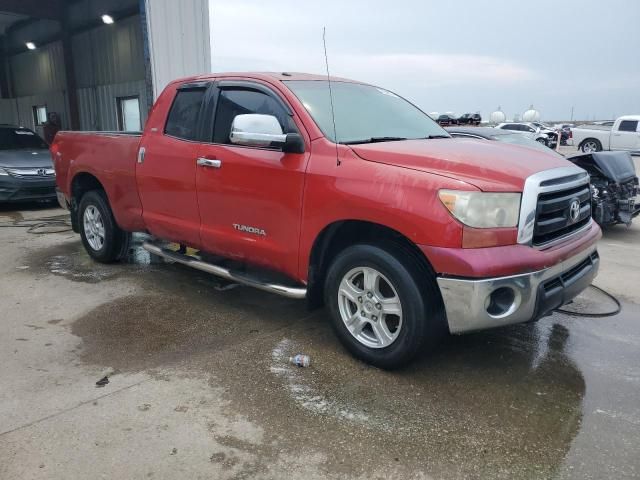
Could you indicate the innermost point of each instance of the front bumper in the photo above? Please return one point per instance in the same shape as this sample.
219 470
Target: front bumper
23 189
468 301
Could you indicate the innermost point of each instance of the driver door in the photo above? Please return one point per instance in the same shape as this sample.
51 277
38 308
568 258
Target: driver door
250 197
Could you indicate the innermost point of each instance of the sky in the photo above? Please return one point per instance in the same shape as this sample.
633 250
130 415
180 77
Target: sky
449 56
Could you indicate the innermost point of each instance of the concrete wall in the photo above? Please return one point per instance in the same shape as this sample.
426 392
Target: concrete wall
178 39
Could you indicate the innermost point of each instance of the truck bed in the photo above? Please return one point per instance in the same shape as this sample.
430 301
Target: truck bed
110 156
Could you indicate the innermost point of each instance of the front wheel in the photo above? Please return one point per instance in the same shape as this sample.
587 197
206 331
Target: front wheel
542 141
103 240
383 308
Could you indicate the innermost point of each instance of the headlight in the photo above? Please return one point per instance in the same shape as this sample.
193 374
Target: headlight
481 209
3 171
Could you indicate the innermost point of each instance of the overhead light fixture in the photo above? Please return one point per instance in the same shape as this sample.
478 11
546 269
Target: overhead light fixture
31 45
108 19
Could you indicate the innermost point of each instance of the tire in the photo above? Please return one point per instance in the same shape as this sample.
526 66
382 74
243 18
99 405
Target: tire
542 141
386 340
591 145
103 240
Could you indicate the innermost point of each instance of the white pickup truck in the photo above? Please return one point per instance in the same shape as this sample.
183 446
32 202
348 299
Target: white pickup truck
623 135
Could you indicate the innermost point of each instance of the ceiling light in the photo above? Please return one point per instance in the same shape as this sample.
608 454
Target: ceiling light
108 19
31 45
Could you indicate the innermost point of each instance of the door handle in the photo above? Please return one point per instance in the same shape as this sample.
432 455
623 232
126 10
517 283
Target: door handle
208 162
141 153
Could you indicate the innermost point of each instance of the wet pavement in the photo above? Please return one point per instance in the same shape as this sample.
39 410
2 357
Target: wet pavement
200 384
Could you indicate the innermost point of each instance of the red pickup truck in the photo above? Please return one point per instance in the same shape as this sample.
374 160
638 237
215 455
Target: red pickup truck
368 207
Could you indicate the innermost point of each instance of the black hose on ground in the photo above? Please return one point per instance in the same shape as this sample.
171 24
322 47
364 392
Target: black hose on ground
595 315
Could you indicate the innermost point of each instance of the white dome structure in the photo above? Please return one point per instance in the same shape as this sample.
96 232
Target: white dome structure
498 116
531 115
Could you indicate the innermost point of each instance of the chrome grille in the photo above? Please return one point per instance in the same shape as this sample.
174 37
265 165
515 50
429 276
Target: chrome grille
43 172
554 215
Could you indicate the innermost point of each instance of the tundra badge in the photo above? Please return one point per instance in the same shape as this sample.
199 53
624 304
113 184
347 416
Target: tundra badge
246 228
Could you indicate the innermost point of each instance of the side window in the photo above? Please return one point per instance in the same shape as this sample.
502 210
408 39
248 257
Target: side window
182 121
628 126
232 102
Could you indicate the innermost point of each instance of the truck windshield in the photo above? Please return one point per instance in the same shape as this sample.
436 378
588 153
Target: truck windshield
20 138
363 113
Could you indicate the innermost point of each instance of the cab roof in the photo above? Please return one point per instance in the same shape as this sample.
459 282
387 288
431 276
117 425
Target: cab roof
266 76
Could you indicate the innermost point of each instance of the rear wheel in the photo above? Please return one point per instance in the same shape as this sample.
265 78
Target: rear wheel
591 145
383 308
103 240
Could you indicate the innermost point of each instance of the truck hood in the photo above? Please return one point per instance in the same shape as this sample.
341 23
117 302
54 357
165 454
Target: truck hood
25 158
616 166
488 165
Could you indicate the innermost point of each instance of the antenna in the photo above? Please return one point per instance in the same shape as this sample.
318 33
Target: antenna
333 114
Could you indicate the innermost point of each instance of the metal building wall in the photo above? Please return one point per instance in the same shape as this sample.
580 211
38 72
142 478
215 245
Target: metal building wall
109 64
98 105
178 39
37 78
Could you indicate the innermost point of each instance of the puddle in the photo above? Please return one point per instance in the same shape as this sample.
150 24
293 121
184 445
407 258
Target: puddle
70 260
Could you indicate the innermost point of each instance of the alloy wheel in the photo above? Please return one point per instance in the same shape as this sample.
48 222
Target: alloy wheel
370 307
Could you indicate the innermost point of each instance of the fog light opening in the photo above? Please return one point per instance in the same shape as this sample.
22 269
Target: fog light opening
501 302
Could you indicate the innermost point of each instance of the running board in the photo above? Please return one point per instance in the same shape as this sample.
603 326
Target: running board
284 290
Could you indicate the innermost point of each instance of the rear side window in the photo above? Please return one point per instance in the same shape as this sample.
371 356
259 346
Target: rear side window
628 126
183 116
234 102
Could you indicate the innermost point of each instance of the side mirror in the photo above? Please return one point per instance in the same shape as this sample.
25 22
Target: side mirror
258 130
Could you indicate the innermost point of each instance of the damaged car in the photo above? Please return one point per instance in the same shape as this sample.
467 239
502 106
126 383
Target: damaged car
614 186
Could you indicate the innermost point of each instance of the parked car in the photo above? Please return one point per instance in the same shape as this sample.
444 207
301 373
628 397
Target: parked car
26 171
565 132
545 136
614 184
624 135
470 119
402 231
497 134
447 119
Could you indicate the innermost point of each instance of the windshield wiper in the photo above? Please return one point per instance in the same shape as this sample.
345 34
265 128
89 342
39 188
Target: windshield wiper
374 140
437 136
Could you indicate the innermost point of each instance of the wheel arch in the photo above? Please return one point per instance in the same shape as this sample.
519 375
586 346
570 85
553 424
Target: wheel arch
341 234
82 183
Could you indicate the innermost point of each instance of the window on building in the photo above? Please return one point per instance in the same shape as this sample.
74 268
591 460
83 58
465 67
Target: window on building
129 114
234 102
182 121
39 115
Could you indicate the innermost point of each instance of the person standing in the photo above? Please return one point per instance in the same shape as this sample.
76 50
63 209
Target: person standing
51 127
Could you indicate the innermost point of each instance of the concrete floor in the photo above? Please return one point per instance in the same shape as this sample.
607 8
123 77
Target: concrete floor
200 386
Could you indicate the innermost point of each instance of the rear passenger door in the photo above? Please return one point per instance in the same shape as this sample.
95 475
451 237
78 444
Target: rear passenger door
626 136
166 170
251 197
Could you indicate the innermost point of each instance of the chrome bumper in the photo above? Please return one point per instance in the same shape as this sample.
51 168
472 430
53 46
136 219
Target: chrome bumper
535 294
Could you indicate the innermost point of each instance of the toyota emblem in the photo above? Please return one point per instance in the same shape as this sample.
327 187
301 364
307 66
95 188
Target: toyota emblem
574 211
42 172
